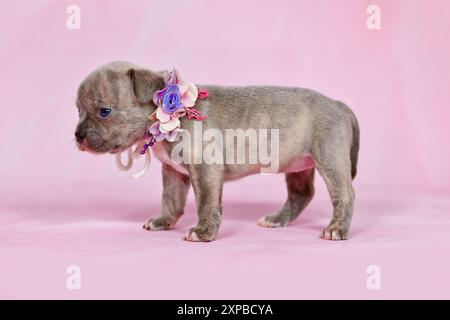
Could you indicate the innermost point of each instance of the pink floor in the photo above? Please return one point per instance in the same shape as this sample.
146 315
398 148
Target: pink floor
407 237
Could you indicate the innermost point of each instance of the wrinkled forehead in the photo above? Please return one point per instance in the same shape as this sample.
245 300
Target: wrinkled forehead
104 88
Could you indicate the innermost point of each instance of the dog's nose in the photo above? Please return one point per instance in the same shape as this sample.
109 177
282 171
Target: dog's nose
80 135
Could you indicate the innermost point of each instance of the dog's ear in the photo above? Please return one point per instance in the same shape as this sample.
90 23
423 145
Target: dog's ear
145 83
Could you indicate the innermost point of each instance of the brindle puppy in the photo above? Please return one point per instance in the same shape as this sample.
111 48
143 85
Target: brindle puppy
314 132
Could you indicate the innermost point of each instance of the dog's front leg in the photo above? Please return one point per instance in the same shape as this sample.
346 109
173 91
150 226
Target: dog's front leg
207 181
175 190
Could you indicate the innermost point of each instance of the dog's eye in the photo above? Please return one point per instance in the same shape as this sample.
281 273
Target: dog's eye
105 112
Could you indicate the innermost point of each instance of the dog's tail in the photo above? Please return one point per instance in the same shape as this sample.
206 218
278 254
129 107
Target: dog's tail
354 150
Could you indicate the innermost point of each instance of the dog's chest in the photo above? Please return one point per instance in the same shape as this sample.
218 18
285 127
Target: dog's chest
162 155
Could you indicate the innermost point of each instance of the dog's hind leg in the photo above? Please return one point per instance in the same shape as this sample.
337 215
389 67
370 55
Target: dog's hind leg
338 179
175 190
300 186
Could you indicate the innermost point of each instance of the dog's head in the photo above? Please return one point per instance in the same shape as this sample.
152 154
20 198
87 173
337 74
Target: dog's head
114 104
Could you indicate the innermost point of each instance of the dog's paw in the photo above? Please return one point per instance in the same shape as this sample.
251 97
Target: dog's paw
201 234
159 223
334 233
273 221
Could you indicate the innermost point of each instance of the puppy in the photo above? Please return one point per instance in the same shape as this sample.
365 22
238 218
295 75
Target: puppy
115 104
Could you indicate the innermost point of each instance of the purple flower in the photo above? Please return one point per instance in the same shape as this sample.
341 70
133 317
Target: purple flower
159 135
156 133
171 101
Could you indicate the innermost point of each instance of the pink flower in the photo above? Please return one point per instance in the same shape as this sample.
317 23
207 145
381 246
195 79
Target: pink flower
159 134
188 94
168 121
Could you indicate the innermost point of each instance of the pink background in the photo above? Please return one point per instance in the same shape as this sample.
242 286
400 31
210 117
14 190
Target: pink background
59 206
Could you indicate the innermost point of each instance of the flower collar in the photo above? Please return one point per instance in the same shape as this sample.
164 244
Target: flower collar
175 100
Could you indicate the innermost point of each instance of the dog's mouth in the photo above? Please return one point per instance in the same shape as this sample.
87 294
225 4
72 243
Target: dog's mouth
82 146
104 148
86 149
116 149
